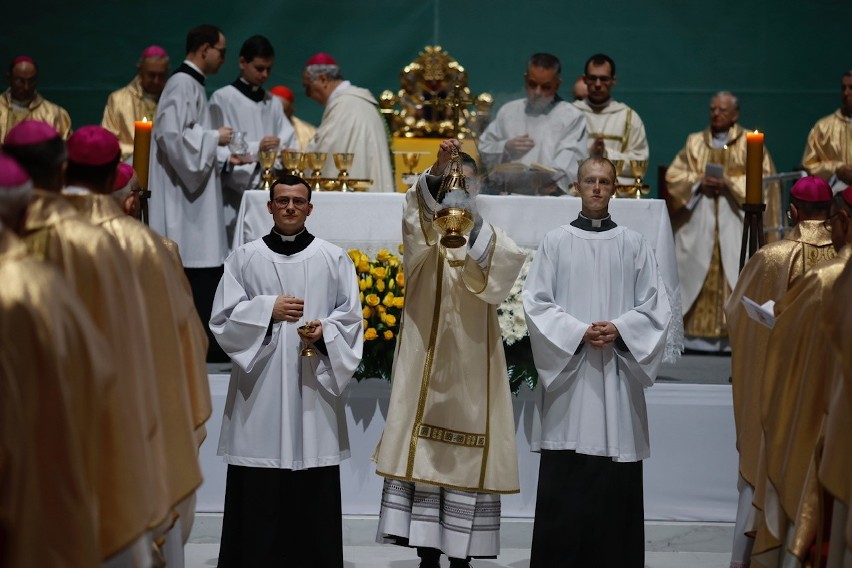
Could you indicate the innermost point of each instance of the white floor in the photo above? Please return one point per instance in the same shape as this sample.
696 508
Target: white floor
668 545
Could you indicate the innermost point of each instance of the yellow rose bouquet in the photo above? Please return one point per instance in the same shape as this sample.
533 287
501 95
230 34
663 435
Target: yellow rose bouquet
382 284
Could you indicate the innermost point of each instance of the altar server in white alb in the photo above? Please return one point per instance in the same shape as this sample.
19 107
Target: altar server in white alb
245 106
351 122
186 196
284 430
598 315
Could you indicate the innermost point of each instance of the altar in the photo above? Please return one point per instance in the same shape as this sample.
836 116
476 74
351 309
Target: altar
373 221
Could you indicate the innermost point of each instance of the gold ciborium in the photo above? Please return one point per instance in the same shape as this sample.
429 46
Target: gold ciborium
453 221
316 160
343 161
292 162
308 350
639 168
267 161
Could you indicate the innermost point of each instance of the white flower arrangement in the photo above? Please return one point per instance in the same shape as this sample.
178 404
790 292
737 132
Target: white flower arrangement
513 324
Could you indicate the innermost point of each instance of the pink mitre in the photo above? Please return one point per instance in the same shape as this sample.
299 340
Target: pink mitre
847 195
811 188
29 132
92 146
321 59
153 51
123 173
13 178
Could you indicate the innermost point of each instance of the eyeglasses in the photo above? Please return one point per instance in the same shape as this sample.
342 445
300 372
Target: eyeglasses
602 182
827 222
298 202
221 50
592 79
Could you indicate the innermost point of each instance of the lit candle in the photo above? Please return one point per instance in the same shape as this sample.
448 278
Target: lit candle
141 150
754 168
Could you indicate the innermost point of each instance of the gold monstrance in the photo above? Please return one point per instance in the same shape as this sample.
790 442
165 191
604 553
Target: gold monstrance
453 222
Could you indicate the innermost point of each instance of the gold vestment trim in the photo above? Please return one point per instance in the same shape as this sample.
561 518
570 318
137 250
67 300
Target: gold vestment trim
427 365
458 438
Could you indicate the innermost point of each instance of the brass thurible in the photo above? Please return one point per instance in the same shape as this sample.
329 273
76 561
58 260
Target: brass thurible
453 222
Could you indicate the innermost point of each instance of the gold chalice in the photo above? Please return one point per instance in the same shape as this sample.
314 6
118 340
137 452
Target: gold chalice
292 160
343 161
411 161
267 160
316 160
308 350
639 169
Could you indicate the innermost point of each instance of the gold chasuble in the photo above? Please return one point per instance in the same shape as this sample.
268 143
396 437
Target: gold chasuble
38 109
708 231
829 145
180 369
55 380
835 469
800 368
130 486
767 275
450 420
124 107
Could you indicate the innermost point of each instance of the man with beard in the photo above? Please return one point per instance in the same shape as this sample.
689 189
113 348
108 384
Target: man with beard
539 130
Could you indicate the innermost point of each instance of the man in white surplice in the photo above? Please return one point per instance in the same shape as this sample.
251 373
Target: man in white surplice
245 106
284 430
598 316
540 128
186 195
351 122
616 130
448 448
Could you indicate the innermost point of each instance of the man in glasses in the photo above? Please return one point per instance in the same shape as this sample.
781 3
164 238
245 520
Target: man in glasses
284 430
187 154
541 132
767 275
22 101
615 130
598 316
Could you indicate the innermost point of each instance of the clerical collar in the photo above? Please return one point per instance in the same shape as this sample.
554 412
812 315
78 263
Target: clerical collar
251 92
595 225
720 139
532 111
75 190
288 244
192 70
338 90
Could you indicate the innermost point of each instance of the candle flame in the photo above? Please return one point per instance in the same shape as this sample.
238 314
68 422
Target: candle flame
145 119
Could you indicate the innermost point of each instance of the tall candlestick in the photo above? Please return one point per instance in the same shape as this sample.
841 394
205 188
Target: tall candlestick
142 150
754 168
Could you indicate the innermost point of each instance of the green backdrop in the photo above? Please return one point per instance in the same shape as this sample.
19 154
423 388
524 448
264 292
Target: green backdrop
783 59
